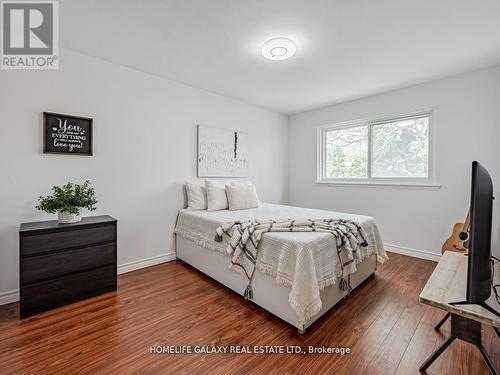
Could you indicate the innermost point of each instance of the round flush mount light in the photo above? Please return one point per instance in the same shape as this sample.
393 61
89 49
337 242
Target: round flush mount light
278 49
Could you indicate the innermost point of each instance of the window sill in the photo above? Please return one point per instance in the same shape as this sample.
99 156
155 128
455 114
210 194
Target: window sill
396 185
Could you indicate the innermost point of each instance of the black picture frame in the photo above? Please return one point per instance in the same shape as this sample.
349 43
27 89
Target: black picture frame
75 139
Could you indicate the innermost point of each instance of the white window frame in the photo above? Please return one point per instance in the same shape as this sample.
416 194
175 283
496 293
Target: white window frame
416 182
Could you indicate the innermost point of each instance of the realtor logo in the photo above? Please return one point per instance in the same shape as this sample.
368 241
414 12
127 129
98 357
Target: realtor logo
29 37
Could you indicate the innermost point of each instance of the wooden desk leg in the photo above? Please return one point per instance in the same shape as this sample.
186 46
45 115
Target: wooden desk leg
463 329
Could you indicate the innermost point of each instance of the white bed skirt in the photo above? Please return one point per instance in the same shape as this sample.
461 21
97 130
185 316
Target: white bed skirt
268 294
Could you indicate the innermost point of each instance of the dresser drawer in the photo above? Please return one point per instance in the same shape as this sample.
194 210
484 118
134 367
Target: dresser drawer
53 293
45 242
62 263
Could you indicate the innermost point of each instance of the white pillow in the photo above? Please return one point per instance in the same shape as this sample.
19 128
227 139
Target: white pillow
197 195
244 182
216 196
241 196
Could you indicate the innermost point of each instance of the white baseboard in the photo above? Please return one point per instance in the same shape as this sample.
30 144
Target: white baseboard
422 254
13 295
9 297
143 263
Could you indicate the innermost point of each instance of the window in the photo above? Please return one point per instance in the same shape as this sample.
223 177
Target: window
393 151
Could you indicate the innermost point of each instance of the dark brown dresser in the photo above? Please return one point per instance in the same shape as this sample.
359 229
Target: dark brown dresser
64 263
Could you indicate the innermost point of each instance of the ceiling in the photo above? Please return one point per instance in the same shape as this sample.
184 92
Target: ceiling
345 49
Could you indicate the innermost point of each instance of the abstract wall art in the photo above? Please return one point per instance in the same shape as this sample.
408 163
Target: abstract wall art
222 153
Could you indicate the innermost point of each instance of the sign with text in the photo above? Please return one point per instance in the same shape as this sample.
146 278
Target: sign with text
29 35
67 134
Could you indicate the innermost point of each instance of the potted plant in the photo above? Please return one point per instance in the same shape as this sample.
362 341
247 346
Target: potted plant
68 200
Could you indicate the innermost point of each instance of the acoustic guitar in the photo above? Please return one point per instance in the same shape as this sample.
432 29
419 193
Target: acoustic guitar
459 238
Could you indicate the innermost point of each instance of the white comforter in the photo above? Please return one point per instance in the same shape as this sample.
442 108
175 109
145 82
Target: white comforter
305 262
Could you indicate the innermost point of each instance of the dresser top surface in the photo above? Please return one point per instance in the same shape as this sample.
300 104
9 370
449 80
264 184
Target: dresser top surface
54 224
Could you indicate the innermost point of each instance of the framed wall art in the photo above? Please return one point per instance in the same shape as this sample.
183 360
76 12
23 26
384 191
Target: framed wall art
65 134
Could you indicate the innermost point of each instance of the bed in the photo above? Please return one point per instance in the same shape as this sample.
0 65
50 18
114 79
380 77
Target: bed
297 273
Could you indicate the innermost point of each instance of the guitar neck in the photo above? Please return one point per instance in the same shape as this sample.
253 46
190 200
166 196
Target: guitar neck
466 223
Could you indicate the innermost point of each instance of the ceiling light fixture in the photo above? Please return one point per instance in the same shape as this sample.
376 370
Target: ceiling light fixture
278 49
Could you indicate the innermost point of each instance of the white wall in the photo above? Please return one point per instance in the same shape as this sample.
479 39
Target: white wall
144 148
467 121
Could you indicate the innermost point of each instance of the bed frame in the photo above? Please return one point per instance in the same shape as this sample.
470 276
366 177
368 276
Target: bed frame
268 294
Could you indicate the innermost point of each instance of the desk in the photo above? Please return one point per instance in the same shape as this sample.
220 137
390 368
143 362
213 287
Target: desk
448 284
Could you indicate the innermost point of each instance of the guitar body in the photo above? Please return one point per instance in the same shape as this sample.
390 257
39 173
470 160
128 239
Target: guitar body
457 241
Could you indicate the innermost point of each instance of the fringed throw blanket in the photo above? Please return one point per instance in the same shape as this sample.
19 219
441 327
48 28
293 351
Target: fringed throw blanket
245 237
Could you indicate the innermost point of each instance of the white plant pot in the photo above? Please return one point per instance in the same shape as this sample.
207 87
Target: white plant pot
67 218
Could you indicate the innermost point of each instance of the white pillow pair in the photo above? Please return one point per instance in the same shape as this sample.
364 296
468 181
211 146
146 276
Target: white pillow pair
215 196
233 195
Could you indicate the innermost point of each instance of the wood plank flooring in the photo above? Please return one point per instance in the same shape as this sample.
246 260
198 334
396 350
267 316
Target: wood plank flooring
387 329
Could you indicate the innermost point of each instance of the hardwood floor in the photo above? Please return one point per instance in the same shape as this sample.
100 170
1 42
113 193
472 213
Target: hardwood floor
387 329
